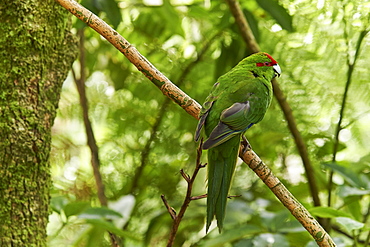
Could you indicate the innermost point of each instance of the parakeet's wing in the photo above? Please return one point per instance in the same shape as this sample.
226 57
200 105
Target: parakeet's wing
235 120
202 119
206 107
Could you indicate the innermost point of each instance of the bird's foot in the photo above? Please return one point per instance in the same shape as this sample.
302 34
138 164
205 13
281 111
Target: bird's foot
247 147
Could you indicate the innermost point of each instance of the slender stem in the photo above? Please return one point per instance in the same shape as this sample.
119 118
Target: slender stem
351 66
339 127
170 210
91 142
365 219
245 30
367 241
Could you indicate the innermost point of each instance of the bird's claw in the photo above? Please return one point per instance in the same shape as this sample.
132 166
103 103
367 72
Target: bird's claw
247 147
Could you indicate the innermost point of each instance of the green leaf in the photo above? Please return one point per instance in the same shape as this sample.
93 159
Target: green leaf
326 212
349 224
113 229
74 208
253 23
230 235
345 191
100 213
298 238
172 18
278 12
156 223
327 148
94 236
231 54
354 206
350 176
58 203
270 240
110 7
150 25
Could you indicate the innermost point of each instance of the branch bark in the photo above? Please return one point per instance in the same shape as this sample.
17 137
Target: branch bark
193 108
321 237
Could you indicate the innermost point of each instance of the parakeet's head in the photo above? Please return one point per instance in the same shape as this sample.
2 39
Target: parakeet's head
269 61
263 63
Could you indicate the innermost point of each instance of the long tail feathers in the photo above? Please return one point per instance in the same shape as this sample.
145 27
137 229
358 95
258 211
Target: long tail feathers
221 166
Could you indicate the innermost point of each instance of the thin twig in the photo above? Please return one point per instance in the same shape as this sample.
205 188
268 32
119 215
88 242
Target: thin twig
234 196
339 127
91 142
193 108
185 176
188 198
170 209
340 231
365 219
161 113
193 198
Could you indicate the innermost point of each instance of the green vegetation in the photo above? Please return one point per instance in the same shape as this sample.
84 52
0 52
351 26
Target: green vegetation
144 139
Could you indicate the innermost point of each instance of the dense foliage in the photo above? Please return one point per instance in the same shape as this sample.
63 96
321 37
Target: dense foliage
144 140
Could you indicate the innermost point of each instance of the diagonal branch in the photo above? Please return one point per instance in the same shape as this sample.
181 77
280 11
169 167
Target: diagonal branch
193 108
133 55
287 199
91 141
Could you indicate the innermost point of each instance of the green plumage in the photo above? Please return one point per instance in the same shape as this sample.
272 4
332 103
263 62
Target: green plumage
238 100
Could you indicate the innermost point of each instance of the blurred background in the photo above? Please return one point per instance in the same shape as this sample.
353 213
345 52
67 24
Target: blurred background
144 140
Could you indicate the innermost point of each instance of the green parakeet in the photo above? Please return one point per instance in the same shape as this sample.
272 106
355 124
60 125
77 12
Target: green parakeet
237 101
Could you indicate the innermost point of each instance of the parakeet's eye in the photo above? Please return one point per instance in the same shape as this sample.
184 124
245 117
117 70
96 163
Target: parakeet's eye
265 64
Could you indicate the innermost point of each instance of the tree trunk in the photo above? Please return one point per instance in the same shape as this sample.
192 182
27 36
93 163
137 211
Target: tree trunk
35 56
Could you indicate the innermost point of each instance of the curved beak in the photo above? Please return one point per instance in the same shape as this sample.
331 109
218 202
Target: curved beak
277 69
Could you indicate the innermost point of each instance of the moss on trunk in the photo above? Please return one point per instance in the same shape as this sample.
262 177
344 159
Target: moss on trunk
35 56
